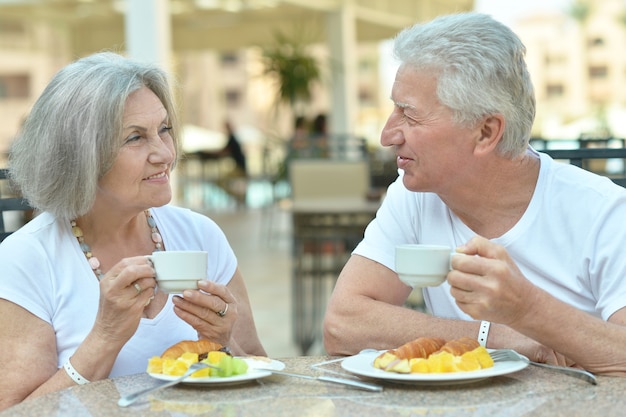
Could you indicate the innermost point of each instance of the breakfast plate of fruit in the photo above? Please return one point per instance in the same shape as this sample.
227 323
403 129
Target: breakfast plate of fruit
430 361
225 368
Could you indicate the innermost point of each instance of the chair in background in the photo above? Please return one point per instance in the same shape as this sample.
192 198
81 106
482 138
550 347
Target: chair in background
588 158
328 179
14 210
329 214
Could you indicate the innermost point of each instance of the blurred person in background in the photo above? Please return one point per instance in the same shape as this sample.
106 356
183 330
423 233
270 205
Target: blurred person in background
234 150
234 182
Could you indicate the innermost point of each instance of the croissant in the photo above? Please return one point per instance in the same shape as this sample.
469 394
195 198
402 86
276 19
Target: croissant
421 347
200 347
458 347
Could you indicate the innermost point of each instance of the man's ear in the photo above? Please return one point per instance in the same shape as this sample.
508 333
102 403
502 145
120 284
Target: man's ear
491 130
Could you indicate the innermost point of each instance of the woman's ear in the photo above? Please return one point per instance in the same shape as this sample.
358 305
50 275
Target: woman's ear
491 130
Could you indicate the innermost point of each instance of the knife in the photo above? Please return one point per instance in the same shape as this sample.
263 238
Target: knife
341 381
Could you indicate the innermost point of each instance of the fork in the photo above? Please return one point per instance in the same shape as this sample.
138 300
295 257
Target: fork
131 398
503 355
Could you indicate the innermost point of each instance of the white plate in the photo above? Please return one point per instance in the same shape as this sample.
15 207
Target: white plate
253 373
363 365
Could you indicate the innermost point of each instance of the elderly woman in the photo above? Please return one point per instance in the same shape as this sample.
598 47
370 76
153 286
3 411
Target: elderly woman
78 298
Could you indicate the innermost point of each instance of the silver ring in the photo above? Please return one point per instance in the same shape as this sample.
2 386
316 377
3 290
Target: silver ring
137 287
223 312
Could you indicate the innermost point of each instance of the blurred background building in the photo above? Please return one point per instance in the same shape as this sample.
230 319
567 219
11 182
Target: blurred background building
577 61
215 50
217 47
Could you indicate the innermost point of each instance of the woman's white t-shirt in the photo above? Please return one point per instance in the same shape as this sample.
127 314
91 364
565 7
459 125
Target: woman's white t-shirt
45 272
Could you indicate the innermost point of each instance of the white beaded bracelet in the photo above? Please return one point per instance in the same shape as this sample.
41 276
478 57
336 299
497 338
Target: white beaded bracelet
483 333
73 373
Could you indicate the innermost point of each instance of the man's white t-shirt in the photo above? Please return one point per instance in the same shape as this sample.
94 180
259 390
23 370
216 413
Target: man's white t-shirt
570 241
44 271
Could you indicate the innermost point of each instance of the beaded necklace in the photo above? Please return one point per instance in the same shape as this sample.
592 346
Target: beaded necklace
94 262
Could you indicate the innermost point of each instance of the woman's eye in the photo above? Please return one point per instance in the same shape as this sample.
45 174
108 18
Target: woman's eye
133 138
165 129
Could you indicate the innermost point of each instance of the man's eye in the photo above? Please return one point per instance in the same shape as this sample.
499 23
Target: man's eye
409 119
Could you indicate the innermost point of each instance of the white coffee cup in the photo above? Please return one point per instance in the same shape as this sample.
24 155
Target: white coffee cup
177 271
420 265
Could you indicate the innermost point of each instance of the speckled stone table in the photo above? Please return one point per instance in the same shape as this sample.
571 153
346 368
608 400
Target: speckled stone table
529 392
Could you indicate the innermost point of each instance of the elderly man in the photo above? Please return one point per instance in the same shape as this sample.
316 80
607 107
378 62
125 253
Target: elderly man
547 273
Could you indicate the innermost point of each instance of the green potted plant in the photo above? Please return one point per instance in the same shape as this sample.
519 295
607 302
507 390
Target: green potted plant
294 70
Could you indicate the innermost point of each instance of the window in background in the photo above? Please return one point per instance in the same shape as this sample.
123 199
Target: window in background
554 90
229 59
596 42
14 86
232 97
598 72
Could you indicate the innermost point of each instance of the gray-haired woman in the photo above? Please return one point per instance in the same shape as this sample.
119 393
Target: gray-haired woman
78 299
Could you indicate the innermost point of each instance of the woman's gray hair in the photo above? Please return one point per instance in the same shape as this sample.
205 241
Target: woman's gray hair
481 71
73 133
